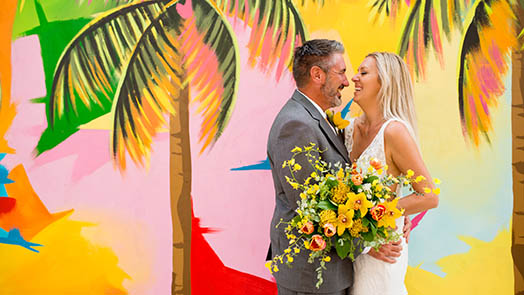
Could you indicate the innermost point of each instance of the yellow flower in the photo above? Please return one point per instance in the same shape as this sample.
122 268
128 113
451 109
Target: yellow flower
340 193
294 185
314 174
420 178
327 259
436 191
340 174
345 218
339 122
268 265
296 149
275 268
284 164
410 173
436 180
306 244
380 171
287 250
289 258
312 189
357 228
359 202
327 216
303 196
391 213
427 190
297 250
297 167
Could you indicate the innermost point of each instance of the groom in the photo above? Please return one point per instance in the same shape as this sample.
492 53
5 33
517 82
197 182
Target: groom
319 71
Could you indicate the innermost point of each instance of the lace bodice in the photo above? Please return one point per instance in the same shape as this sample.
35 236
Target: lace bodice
374 150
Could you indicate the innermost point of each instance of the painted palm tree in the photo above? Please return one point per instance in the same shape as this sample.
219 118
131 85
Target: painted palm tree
490 43
138 63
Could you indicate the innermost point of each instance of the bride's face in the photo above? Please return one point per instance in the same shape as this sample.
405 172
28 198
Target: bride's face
367 84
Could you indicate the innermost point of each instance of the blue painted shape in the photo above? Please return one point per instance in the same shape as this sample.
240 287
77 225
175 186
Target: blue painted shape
3 177
15 238
3 191
3 233
261 165
345 110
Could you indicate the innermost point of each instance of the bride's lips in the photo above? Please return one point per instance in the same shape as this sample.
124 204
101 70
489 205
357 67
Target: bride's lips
357 89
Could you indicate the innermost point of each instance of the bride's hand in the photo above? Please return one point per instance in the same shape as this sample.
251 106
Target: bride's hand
407 228
387 252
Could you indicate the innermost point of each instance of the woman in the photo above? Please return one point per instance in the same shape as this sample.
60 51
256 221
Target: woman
387 132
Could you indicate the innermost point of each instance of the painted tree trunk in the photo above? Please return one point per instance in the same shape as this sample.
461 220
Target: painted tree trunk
180 194
517 124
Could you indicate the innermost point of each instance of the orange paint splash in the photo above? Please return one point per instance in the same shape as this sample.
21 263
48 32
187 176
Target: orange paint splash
7 109
29 215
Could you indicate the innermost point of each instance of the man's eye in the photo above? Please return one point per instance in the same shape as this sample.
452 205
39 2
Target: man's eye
363 73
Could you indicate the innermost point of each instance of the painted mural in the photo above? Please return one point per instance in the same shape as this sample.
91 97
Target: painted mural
133 138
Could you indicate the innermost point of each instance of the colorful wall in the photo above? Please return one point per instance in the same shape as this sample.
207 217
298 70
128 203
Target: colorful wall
128 127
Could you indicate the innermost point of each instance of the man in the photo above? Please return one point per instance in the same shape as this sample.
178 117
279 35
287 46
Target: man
319 71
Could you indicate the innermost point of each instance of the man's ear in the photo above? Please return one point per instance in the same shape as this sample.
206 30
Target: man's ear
317 74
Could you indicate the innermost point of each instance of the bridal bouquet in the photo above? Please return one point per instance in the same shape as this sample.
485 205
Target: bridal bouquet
344 207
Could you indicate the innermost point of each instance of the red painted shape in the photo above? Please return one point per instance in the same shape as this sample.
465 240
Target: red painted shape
210 276
6 204
417 219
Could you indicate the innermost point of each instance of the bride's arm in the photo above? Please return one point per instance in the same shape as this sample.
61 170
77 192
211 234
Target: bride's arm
403 153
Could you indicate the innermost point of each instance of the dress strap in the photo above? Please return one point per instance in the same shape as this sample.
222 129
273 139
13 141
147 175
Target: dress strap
348 135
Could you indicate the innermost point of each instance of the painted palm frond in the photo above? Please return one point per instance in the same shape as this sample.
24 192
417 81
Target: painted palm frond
423 28
213 67
381 9
484 60
189 44
90 67
276 29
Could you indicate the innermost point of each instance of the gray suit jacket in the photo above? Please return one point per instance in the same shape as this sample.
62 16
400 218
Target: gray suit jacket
299 123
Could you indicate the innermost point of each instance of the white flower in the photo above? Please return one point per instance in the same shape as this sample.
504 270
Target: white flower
367 186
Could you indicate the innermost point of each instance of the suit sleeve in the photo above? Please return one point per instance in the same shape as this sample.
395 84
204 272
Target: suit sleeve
292 134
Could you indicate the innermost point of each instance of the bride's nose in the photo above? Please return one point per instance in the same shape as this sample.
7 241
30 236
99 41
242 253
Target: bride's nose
354 78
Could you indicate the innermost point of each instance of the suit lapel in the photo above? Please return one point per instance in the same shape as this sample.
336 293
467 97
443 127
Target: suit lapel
335 139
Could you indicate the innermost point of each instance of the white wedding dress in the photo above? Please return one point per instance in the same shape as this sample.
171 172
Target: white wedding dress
373 276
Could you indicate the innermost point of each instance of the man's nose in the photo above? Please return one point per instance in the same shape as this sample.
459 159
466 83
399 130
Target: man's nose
345 82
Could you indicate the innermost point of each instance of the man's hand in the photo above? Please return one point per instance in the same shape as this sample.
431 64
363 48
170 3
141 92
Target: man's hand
407 228
387 252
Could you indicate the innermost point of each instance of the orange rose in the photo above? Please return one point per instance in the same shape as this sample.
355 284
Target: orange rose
329 230
357 179
378 212
317 243
307 228
376 164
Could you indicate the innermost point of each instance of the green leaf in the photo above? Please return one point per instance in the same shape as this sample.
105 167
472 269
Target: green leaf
326 205
370 179
343 249
367 236
90 68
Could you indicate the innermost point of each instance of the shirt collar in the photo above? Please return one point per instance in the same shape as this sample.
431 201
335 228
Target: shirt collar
315 105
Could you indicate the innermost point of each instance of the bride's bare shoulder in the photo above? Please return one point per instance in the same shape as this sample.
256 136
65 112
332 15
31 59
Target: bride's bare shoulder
397 133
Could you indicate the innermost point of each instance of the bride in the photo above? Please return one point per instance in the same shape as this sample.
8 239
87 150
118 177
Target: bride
387 132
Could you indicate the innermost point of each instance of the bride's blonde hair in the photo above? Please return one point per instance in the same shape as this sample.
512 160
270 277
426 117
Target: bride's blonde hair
396 94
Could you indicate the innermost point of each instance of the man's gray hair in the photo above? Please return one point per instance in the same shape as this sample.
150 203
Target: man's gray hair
316 52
